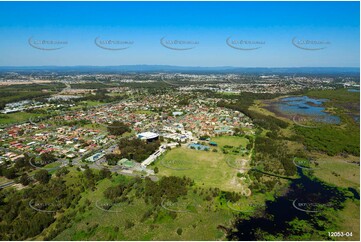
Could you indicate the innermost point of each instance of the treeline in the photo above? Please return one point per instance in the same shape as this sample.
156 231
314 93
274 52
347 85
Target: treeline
101 95
15 93
242 103
136 149
167 188
33 87
147 85
91 85
261 120
6 98
97 85
272 149
271 156
331 139
245 99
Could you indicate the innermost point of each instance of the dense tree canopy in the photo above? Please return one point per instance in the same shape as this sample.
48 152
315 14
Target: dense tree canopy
136 149
118 128
42 176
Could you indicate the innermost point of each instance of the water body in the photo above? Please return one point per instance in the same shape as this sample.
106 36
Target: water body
306 106
353 90
280 212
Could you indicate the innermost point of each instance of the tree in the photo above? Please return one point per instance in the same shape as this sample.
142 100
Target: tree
105 173
42 176
118 128
22 162
112 159
156 170
62 172
179 231
9 173
204 137
25 179
128 224
184 102
238 131
114 192
47 158
88 173
136 149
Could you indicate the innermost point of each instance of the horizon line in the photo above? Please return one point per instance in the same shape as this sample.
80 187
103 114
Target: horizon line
185 66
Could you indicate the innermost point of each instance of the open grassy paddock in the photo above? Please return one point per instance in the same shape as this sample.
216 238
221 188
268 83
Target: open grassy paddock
206 168
17 117
339 171
230 140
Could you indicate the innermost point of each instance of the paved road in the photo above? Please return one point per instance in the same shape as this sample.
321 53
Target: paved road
7 184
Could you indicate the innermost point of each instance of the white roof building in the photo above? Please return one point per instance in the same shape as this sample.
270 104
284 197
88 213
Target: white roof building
147 135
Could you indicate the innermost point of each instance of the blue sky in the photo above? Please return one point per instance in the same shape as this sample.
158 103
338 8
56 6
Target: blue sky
209 24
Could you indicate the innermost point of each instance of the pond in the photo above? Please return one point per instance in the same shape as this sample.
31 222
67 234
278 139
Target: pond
306 106
306 200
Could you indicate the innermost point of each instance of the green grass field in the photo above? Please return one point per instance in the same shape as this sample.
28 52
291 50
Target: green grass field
349 220
230 140
17 117
206 168
95 126
143 112
337 171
